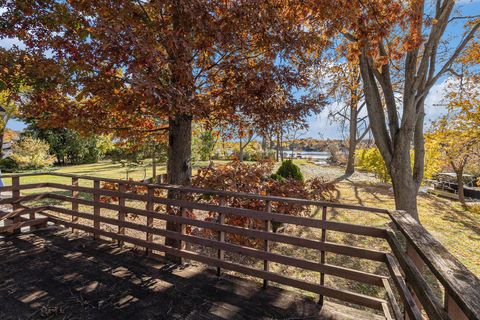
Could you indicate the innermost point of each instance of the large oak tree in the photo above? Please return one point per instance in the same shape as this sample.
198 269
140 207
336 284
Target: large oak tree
135 68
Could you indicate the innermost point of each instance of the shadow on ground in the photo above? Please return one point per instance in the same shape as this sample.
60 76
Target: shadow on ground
59 275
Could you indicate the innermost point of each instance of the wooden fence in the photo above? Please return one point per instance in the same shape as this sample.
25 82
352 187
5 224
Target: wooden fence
406 261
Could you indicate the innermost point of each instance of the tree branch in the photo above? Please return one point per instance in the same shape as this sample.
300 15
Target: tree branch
454 56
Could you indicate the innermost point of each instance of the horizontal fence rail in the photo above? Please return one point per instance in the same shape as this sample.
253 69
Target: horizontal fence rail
68 205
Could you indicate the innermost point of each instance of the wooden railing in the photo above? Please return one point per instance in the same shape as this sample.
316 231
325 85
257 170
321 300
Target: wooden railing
412 249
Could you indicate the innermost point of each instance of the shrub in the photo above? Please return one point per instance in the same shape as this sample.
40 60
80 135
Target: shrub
290 170
254 178
8 165
277 177
31 153
336 156
257 178
372 161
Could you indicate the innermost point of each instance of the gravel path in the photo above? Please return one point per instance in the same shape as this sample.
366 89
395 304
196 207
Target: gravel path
332 173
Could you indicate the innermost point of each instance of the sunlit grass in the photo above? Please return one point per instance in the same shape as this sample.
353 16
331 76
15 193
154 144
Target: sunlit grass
456 228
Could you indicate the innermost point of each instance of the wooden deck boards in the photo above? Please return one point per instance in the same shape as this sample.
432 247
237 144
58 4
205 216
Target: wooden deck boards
54 274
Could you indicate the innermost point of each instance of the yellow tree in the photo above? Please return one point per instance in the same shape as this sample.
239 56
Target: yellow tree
12 88
458 143
463 95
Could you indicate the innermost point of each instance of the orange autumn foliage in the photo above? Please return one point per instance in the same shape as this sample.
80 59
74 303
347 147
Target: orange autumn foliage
256 179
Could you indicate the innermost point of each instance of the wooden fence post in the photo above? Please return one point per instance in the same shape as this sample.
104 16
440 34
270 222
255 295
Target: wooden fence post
182 245
74 201
322 253
15 192
183 228
452 308
149 207
411 253
266 243
16 205
121 211
221 234
96 208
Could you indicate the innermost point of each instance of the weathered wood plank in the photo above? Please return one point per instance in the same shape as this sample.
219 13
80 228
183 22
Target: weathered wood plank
266 243
386 311
323 238
96 208
416 281
23 224
221 235
21 211
26 186
459 282
393 301
411 308
149 207
30 197
75 195
121 209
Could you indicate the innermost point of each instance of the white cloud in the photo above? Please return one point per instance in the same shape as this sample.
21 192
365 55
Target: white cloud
435 106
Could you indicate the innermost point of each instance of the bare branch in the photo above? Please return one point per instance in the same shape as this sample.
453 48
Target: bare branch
450 61
464 17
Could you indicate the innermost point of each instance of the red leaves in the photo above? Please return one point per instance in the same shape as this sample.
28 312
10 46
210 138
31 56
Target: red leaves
255 178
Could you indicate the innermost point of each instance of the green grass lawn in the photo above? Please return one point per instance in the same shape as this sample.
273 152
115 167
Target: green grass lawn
104 169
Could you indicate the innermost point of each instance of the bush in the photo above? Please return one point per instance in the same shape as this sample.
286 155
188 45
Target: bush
336 156
289 170
277 177
8 165
69 146
257 178
372 161
31 153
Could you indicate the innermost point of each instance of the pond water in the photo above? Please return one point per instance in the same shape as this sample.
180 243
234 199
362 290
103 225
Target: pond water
319 157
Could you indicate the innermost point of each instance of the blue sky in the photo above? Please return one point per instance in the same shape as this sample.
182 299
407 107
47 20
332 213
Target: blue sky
321 125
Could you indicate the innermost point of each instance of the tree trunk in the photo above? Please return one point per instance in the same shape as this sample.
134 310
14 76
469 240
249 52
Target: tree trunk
278 146
154 164
405 187
2 133
460 191
240 153
281 145
264 146
352 143
179 169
